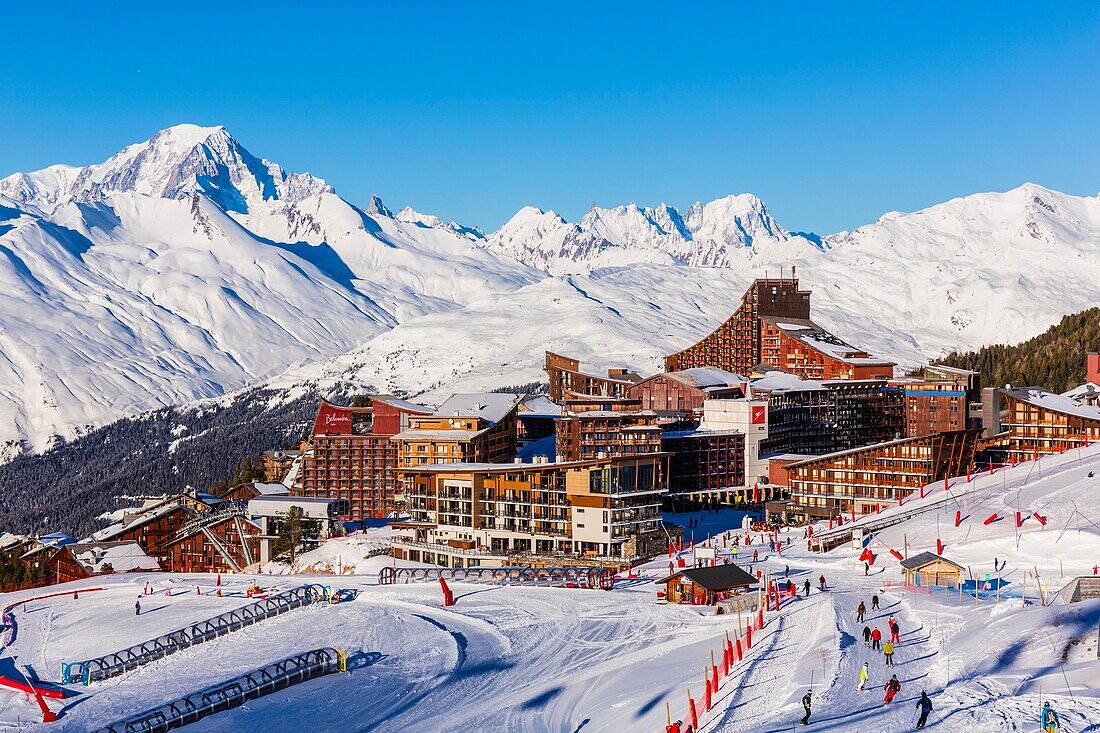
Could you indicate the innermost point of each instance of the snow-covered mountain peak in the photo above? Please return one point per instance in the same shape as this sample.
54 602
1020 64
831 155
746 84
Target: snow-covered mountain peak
174 163
727 232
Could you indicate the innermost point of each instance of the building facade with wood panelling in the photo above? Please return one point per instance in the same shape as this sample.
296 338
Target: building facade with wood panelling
225 542
772 326
865 479
567 379
466 428
468 514
1025 423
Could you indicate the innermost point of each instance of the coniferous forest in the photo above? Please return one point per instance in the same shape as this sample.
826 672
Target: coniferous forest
1053 360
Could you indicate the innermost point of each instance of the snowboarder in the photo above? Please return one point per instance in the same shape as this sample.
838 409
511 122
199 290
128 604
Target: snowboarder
876 637
866 636
864 674
806 705
895 632
1049 719
137 607
807 586
874 603
892 688
821 582
925 705
861 611
888 652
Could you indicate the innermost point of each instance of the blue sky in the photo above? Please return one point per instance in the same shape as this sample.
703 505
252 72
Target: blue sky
832 113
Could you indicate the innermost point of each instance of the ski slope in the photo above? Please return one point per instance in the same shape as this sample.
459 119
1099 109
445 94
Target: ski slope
544 659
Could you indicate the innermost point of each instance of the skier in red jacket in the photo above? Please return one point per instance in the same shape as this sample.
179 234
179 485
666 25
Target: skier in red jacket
892 688
876 637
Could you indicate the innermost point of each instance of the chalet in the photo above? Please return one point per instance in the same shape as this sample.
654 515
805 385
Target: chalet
928 568
706 586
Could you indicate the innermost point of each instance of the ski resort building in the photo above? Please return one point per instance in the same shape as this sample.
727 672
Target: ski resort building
226 541
772 326
153 526
464 515
466 428
707 586
567 379
943 398
866 479
929 569
277 463
321 518
684 392
351 455
704 461
79 560
598 434
1025 422
813 417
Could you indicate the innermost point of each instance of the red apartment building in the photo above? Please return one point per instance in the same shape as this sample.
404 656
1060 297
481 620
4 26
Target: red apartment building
352 456
772 326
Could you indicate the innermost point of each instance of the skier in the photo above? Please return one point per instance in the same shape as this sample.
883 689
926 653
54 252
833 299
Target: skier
866 636
675 727
892 688
821 582
806 705
786 571
755 555
861 611
864 674
888 652
137 607
925 705
876 637
866 568
1049 719
874 603
807 586
895 632
734 552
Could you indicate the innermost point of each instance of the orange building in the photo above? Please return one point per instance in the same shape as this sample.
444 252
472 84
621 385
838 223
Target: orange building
1027 422
772 326
224 542
566 378
467 428
943 398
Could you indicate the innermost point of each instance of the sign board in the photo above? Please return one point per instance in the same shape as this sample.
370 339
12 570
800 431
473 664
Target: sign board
705 553
857 539
759 414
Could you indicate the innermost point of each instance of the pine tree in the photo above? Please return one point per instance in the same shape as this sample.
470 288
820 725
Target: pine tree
290 535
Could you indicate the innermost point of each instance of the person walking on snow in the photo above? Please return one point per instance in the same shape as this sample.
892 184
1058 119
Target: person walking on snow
1049 719
821 582
876 637
786 571
895 632
806 704
861 611
866 636
888 652
874 603
137 607
892 688
807 586
864 674
755 555
925 705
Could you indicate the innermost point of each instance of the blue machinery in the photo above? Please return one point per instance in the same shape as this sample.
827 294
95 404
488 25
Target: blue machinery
118 662
233 693
589 577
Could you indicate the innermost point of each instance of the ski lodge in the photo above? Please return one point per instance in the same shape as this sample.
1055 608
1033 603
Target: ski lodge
706 586
928 568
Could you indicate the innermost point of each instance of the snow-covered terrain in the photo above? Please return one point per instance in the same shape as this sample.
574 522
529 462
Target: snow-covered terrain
185 267
545 659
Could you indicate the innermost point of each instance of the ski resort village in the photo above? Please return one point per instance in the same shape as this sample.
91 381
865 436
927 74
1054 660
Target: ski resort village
777 531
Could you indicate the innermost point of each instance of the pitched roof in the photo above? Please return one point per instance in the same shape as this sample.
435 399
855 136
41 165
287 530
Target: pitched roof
813 336
926 558
720 577
489 406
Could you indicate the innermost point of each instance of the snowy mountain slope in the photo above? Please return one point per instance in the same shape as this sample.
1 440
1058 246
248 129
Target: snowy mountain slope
184 267
736 231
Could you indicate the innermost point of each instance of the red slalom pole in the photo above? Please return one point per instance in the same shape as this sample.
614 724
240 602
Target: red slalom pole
958 518
990 519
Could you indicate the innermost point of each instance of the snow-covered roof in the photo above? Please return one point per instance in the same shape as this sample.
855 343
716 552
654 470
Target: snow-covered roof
134 521
271 489
780 381
539 406
489 406
123 557
815 337
441 434
1086 390
709 378
1054 402
402 404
